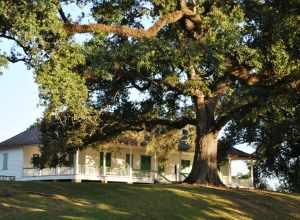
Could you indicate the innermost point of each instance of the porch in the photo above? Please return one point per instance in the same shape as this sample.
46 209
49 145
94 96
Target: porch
243 181
89 173
130 165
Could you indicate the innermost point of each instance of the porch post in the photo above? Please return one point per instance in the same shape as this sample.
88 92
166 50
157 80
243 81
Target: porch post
251 173
229 171
104 163
179 167
104 167
155 166
77 178
130 164
76 162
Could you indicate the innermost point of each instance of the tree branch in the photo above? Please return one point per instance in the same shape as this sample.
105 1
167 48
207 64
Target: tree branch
25 49
221 89
242 72
16 60
179 123
63 16
238 112
110 130
130 31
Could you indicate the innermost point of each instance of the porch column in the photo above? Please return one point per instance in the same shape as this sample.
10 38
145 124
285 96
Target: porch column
229 171
155 165
104 163
104 167
179 167
130 164
251 173
76 162
77 178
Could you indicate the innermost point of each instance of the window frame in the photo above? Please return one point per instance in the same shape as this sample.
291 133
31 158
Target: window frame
107 161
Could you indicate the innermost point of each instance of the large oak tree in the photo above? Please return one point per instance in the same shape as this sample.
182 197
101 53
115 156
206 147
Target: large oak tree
202 63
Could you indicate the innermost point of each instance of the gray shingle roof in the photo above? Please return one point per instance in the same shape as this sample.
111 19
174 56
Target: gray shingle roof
32 136
238 154
29 137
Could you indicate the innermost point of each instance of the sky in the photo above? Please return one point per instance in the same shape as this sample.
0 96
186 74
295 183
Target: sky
19 98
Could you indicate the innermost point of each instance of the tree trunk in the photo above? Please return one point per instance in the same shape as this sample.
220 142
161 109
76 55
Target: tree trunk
205 170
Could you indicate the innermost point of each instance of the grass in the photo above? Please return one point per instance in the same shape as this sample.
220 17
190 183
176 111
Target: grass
91 201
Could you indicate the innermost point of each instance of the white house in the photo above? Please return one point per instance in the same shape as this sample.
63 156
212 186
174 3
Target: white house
120 163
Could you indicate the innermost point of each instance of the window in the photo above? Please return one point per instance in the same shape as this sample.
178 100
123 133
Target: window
5 161
128 160
70 158
107 159
101 159
146 163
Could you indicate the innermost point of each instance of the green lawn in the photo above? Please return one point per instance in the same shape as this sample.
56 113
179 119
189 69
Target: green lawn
41 200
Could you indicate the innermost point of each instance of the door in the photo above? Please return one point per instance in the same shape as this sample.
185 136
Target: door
145 163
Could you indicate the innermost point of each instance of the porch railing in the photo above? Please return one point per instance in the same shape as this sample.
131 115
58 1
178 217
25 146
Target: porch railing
236 182
116 171
57 171
89 170
122 172
7 178
85 170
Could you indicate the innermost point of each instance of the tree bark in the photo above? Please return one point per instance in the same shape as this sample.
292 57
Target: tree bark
205 170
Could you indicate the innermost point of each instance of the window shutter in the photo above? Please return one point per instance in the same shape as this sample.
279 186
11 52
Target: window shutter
5 161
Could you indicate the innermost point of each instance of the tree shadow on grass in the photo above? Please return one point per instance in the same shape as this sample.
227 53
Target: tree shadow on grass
89 201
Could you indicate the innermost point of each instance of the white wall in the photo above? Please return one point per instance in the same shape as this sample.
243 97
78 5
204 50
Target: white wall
28 152
15 162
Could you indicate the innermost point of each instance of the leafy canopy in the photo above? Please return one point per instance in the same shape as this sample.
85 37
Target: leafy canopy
236 55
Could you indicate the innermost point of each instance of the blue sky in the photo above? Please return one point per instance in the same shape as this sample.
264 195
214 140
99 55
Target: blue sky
19 100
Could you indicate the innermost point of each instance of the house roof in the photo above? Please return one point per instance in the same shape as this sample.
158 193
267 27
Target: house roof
236 154
32 136
29 137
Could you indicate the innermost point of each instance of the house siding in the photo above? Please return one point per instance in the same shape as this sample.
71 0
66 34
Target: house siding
14 162
29 151
19 158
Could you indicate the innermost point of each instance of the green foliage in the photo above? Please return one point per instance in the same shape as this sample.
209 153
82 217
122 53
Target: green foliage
61 136
3 64
61 88
34 26
275 132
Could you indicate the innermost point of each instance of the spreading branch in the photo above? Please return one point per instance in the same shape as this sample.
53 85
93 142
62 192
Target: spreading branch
280 87
63 16
236 113
8 37
130 31
178 123
242 72
110 130
16 60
